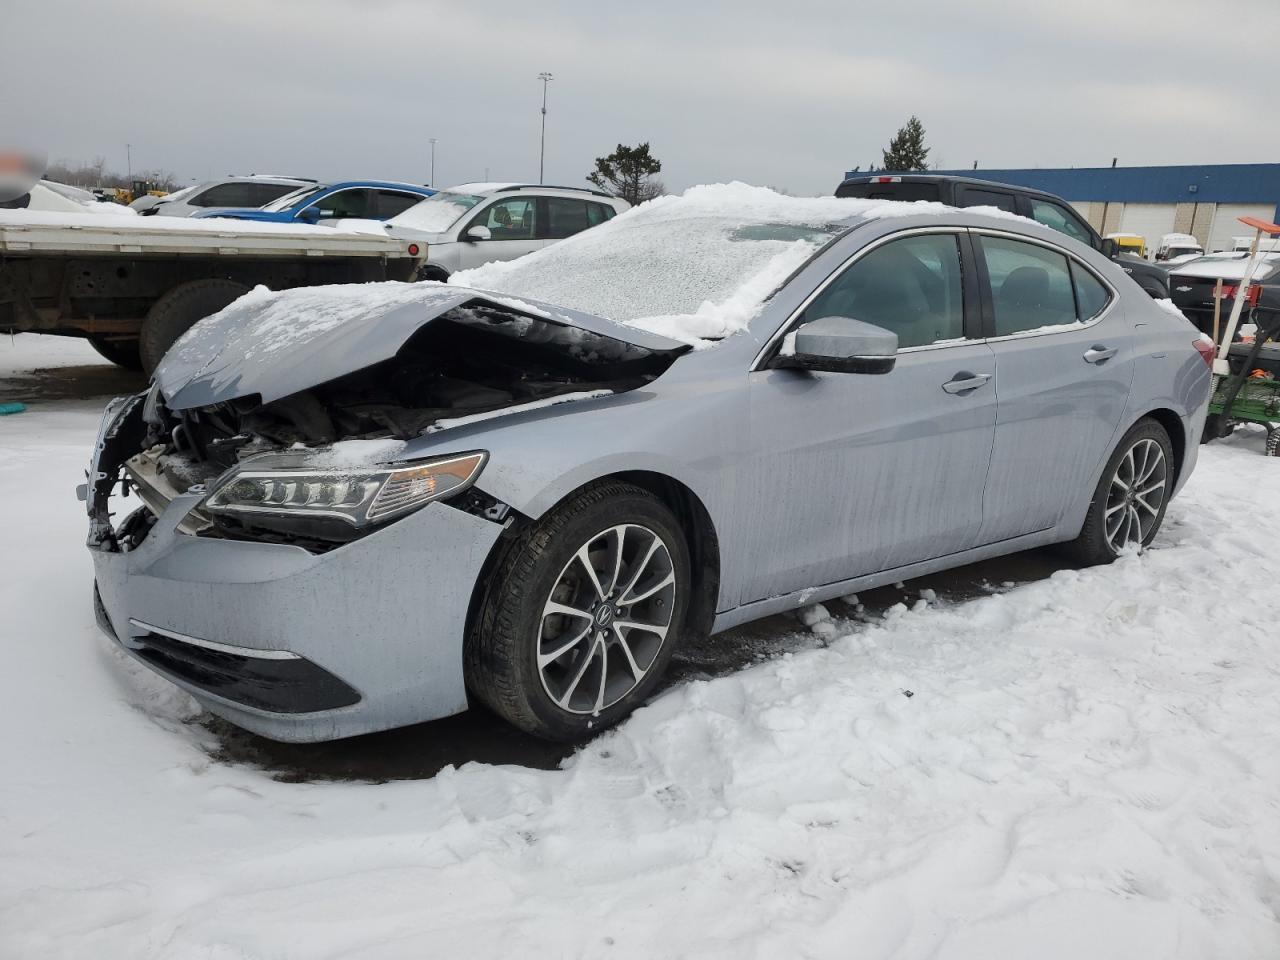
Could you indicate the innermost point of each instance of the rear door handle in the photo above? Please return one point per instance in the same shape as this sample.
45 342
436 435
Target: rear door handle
965 381
1099 353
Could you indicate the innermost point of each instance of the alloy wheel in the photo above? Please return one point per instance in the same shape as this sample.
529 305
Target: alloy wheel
606 618
1137 492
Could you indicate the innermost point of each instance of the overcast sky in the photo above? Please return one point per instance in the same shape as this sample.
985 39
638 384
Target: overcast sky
788 94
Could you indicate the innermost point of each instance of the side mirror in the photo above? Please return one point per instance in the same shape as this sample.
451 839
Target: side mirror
1110 249
310 215
477 232
838 345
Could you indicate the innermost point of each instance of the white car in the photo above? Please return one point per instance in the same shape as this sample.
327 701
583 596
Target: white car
475 223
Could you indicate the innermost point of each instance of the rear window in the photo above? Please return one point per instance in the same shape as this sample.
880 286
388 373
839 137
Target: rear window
906 190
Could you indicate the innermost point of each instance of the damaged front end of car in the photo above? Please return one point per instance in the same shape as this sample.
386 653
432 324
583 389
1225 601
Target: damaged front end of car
257 518
323 465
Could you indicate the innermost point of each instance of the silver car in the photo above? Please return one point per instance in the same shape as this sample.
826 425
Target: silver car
361 507
229 193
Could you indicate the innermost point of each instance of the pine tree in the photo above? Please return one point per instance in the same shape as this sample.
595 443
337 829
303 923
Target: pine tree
628 173
907 150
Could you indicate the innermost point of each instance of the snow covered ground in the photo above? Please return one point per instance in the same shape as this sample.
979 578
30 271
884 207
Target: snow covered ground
1087 766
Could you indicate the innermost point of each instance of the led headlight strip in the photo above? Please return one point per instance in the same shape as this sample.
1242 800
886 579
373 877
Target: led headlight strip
359 496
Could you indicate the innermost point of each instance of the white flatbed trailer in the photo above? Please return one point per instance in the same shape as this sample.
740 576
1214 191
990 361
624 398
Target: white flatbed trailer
131 285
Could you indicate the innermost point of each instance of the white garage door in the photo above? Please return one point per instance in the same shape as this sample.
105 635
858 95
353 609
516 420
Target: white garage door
1226 225
1150 220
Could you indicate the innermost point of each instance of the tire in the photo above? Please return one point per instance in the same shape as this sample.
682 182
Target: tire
432 272
523 662
1101 539
123 353
178 310
1273 443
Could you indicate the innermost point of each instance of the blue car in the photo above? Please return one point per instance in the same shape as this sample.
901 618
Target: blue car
350 199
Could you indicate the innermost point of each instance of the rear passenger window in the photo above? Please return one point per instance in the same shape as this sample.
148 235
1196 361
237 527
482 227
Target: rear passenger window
988 198
392 202
1030 286
911 286
566 217
260 194
1091 296
598 213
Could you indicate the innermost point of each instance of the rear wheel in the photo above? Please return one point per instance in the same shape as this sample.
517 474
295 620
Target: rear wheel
123 353
179 310
1129 503
580 618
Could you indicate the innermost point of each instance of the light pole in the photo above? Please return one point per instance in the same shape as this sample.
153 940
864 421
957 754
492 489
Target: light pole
432 181
128 162
542 153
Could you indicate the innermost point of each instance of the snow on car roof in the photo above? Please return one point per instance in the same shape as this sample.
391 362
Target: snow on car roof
694 267
480 187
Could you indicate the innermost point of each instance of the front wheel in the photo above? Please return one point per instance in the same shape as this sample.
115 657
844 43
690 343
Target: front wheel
178 310
579 619
1129 502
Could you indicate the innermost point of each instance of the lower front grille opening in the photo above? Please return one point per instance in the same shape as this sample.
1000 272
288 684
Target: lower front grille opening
293 685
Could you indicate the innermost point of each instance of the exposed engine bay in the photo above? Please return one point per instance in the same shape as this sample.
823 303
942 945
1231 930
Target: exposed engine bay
474 359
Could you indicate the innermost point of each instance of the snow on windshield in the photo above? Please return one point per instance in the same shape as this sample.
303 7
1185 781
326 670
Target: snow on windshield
437 213
693 267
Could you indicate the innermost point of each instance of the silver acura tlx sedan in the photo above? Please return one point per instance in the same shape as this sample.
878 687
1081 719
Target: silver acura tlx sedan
344 509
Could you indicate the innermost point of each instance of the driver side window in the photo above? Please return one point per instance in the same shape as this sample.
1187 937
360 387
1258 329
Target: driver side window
513 219
911 286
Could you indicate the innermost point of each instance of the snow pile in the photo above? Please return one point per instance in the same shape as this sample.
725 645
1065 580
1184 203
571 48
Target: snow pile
694 267
1085 766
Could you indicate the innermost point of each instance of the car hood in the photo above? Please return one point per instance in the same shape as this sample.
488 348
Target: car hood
273 345
249 213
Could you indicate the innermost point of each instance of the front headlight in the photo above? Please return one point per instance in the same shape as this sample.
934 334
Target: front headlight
338 502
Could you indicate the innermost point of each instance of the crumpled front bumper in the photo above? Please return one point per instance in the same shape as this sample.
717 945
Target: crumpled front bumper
260 632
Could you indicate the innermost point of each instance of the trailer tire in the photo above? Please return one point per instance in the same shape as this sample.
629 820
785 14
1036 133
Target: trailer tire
123 353
178 311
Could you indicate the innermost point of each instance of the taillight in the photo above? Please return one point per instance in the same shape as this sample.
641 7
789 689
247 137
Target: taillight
886 179
1204 347
413 249
1229 290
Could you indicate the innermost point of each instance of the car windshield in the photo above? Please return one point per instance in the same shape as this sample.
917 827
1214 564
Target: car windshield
692 267
289 199
437 213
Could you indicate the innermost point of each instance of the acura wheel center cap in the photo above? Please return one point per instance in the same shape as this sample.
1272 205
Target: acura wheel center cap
604 614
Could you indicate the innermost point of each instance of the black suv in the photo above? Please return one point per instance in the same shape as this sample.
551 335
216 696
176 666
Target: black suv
1043 207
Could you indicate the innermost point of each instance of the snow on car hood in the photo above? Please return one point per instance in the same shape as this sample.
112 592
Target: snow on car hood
274 344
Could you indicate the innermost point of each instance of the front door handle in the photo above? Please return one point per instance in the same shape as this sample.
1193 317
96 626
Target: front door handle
965 381
1099 353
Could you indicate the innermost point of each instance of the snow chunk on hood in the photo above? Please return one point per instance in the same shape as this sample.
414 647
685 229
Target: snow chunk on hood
694 267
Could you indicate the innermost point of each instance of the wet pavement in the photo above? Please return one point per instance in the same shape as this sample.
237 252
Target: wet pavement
423 750
83 382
